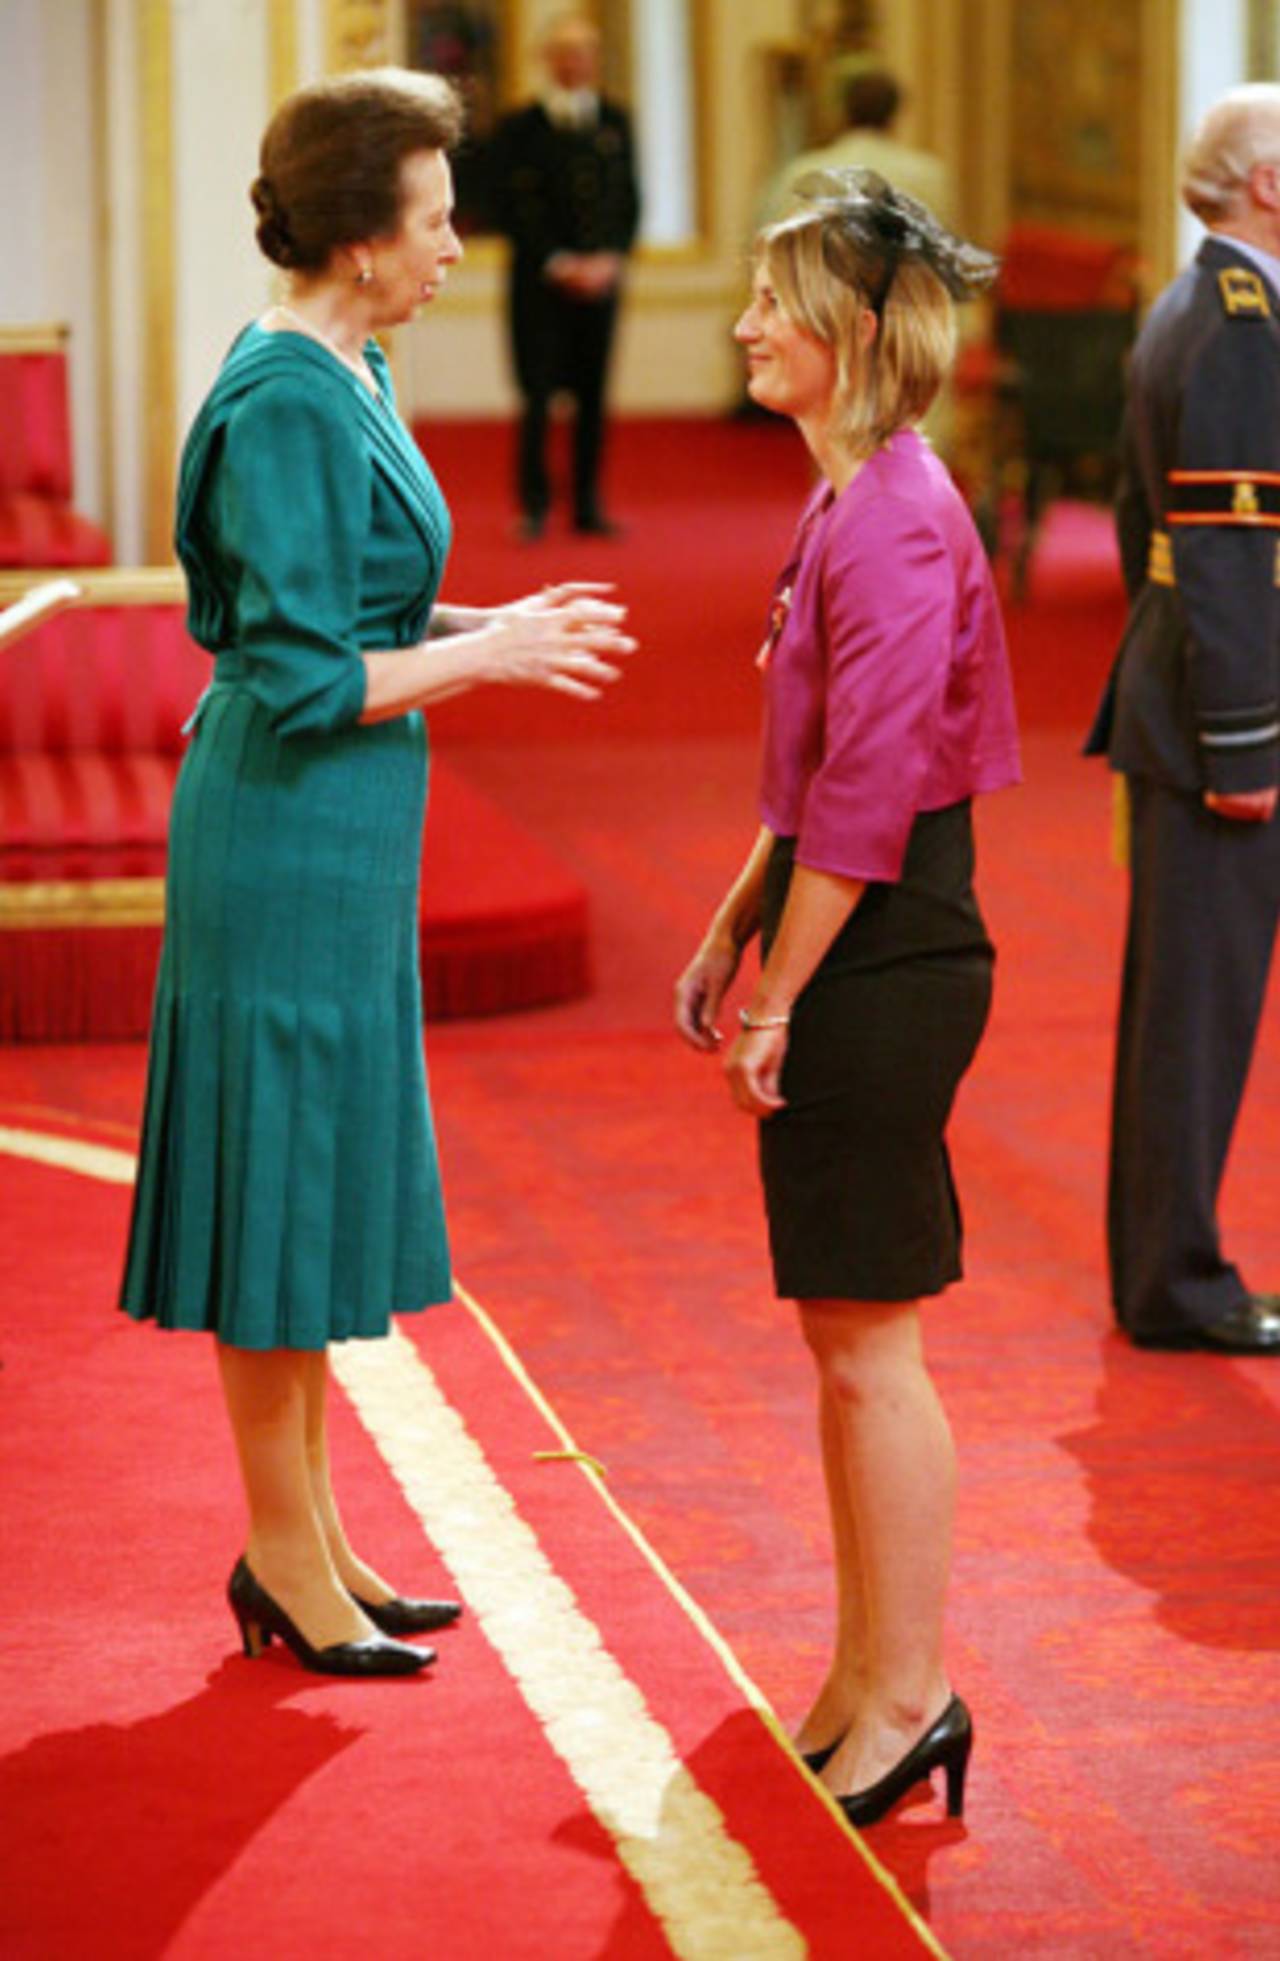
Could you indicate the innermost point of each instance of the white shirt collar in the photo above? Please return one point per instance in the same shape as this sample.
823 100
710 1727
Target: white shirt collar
572 108
1267 263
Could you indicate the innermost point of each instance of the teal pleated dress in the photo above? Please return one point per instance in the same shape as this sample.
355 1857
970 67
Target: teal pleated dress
288 1191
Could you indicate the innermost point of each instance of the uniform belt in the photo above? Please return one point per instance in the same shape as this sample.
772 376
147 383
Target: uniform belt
1160 560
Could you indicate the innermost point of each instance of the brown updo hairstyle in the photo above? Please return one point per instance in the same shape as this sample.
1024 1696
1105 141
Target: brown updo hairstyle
331 160
883 387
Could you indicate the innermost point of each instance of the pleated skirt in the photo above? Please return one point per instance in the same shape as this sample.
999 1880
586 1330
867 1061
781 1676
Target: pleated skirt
288 1190
858 1186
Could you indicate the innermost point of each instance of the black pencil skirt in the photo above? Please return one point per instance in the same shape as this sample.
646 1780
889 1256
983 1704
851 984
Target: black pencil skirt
858 1189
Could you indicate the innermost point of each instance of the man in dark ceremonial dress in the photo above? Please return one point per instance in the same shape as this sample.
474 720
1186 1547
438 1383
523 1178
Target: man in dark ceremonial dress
563 189
1191 716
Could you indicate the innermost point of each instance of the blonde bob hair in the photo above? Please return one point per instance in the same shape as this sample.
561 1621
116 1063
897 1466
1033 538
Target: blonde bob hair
886 383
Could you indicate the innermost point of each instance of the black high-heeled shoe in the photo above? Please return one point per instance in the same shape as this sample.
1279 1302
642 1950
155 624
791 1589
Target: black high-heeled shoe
817 1760
259 1618
945 1745
397 1616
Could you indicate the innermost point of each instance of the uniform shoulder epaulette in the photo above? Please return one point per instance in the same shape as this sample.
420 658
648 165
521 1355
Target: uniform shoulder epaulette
1243 293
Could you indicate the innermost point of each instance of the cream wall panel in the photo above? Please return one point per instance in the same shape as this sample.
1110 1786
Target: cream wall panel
310 18
222 280
682 363
453 361
71 224
23 67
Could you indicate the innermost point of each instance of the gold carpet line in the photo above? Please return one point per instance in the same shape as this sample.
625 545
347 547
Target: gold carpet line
706 1627
700 1884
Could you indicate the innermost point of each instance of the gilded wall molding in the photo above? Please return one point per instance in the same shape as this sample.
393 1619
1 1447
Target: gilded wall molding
282 50
40 337
104 289
159 366
1159 125
359 34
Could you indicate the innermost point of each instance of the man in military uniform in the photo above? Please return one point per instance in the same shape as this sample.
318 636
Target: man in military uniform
564 191
1191 716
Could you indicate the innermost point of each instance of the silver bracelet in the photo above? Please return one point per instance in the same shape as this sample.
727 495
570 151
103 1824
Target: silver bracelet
765 1021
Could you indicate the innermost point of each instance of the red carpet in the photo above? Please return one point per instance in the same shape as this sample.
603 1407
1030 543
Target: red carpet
707 510
1115 1622
164 1795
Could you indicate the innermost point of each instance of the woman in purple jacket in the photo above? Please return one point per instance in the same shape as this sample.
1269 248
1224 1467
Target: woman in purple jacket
888 707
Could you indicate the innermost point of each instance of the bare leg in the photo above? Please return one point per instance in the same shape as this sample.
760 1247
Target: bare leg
900 1465
844 1689
266 1397
351 1570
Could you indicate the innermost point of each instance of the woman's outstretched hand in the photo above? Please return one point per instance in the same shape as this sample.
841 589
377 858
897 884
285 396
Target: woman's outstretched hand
551 599
565 638
700 990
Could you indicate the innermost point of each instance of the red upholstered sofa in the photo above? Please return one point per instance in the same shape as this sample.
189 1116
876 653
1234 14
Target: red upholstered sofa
38 526
92 704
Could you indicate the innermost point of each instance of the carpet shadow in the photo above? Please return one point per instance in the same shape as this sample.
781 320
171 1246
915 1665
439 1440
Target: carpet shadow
1182 1466
812 1869
115 1832
905 1844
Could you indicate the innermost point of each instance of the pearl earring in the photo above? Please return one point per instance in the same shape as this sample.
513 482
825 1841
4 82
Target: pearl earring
364 277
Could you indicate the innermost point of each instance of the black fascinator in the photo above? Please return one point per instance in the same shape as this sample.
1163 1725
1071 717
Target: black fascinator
863 217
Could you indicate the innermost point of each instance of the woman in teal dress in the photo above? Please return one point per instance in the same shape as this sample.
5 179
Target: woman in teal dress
288 1190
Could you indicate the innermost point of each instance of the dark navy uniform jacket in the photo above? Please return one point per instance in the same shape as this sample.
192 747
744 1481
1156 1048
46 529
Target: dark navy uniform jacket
563 190
1193 701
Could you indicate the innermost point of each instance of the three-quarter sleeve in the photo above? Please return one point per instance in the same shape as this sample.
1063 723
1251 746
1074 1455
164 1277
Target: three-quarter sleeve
293 508
888 603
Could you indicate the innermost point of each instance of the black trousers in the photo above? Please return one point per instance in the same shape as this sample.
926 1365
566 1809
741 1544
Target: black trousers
560 343
1204 901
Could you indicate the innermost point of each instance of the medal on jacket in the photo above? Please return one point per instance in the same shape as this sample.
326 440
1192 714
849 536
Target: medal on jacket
778 614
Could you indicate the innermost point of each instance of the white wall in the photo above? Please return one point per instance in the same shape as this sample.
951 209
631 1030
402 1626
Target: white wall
222 280
48 266
1213 50
22 161
665 121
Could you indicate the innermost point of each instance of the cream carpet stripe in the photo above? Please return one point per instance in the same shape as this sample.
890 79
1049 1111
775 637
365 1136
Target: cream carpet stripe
700 1884
68 1154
